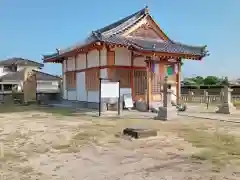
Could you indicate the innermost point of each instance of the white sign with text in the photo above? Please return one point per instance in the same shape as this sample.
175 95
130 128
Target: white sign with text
109 89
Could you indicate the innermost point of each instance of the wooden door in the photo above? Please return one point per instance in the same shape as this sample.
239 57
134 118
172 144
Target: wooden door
140 84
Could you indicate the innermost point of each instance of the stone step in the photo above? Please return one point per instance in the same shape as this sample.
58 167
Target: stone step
155 105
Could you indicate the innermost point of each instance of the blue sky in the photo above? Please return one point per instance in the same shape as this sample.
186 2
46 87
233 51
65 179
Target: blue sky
31 28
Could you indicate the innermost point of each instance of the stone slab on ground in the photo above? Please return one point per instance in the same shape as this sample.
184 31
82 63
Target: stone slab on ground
139 132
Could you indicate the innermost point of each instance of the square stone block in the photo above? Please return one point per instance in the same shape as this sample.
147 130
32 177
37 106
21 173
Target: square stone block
139 133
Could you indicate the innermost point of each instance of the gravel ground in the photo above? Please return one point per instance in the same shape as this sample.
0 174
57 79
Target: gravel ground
38 145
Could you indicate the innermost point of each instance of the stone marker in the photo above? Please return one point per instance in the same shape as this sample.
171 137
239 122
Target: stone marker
205 96
226 106
190 96
221 96
167 111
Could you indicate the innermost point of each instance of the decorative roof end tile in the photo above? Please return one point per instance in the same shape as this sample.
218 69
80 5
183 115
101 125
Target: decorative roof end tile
146 9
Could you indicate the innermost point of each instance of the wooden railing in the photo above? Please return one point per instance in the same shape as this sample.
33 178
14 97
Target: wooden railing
210 98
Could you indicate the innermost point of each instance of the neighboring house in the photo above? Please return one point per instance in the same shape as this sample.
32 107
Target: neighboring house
235 81
12 73
133 50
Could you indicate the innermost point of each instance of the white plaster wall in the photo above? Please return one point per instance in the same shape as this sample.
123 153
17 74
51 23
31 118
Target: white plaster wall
46 86
31 67
81 87
103 73
72 94
103 57
1 71
71 64
122 57
139 61
18 69
93 96
93 58
81 61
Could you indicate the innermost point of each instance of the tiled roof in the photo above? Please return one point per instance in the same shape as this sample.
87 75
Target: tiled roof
46 77
153 45
19 76
113 34
123 24
13 76
20 62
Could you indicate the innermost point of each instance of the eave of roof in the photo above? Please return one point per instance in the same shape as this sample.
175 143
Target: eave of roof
111 34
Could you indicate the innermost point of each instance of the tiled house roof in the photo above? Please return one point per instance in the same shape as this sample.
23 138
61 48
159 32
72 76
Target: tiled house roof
112 34
19 76
20 62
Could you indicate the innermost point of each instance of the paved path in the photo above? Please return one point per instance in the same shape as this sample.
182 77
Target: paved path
197 111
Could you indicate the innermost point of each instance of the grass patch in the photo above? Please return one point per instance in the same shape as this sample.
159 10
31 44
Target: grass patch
236 103
220 149
91 134
11 108
58 111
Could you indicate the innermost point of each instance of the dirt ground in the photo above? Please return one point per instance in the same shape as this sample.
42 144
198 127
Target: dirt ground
44 144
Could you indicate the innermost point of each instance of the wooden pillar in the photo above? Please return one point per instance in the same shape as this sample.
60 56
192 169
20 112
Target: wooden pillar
110 62
132 75
162 74
178 82
149 83
66 75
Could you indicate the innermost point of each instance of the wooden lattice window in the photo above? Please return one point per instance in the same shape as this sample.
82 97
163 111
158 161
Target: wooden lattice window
156 83
124 75
92 79
71 80
140 81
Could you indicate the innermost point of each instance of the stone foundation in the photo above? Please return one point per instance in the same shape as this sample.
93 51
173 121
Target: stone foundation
167 113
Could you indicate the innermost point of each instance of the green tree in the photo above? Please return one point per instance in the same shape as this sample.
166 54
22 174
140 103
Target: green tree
225 81
189 81
211 80
198 80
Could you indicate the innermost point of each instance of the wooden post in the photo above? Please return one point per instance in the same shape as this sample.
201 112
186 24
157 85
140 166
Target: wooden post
132 75
178 83
149 84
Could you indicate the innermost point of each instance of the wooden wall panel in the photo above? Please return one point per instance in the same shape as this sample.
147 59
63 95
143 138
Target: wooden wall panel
110 62
92 79
71 80
124 75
